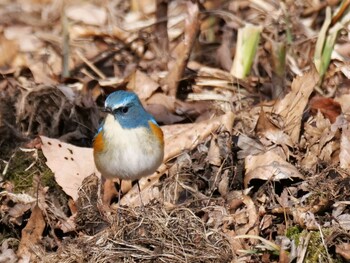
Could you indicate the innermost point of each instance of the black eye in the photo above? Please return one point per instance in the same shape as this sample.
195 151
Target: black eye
124 109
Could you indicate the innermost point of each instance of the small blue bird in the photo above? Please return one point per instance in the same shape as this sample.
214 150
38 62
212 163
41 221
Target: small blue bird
129 143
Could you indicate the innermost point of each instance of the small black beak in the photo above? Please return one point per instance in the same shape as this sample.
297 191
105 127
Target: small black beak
108 110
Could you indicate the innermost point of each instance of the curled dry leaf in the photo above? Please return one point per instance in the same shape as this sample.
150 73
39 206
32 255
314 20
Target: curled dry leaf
320 141
305 219
214 157
223 186
252 217
291 107
269 166
31 234
160 98
15 205
265 127
183 50
344 221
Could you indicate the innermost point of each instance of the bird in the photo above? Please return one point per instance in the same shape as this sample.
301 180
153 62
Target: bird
129 143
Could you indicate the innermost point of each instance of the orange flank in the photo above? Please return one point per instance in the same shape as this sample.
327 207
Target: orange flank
98 143
156 131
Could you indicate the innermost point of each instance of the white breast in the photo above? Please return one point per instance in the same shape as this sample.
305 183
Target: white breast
129 154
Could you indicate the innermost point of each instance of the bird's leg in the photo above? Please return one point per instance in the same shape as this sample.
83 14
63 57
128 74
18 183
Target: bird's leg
108 191
119 197
101 203
142 206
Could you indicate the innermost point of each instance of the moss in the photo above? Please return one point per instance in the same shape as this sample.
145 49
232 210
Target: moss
294 234
316 251
47 176
22 168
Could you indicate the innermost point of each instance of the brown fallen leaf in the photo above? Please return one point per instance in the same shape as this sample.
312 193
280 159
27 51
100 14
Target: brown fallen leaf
70 164
343 250
344 155
248 146
320 140
265 127
160 98
269 166
162 114
183 50
142 84
7 254
31 234
8 51
292 106
214 157
251 226
87 13
327 106
15 205
344 102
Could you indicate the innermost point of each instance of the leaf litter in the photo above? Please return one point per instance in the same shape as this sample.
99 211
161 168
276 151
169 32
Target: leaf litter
255 169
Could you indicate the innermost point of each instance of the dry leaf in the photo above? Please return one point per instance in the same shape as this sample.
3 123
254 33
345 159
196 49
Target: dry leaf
269 166
292 106
8 51
25 38
31 234
344 155
317 140
344 101
248 146
343 249
183 50
87 13
250 213
163 114
214 157
265 127
327 106
7 255
160 98
70 164
142 84
344 221
223 186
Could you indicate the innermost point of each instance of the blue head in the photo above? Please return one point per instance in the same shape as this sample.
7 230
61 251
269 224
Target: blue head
127 110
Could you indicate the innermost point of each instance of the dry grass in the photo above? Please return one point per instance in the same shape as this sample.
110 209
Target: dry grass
156 234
